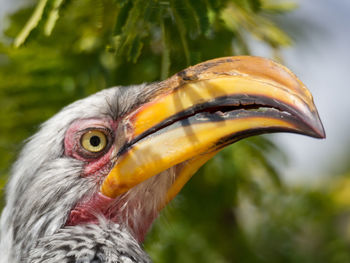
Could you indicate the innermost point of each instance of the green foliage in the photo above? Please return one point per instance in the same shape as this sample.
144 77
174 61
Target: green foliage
236 209
187 23
231 218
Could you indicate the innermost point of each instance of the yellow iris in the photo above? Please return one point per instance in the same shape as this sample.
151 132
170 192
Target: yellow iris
94 141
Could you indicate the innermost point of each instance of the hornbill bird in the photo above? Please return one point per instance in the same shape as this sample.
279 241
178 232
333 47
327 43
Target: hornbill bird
88 185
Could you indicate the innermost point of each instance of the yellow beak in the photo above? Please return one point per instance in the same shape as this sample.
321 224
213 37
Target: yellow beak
204 108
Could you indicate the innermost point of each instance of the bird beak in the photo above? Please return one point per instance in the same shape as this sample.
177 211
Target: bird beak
204 108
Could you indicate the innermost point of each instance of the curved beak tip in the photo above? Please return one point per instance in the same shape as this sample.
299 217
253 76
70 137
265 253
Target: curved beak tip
319 129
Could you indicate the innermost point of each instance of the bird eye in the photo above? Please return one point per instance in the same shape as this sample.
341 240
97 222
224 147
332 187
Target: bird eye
94 141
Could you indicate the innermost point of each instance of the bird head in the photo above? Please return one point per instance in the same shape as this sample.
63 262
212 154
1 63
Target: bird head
122 154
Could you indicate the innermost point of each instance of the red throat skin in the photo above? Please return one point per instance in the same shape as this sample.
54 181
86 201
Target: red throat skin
89 211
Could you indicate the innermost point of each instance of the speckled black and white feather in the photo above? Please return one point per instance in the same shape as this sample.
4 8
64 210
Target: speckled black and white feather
102 243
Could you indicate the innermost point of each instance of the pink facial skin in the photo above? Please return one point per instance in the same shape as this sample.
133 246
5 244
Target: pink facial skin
86 212
74 149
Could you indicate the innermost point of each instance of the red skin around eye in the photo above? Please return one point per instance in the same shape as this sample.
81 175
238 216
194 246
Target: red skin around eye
72 144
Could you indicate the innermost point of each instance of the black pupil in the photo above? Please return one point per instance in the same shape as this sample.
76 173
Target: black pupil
95 141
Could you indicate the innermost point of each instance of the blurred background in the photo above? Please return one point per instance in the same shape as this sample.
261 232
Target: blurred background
276 198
